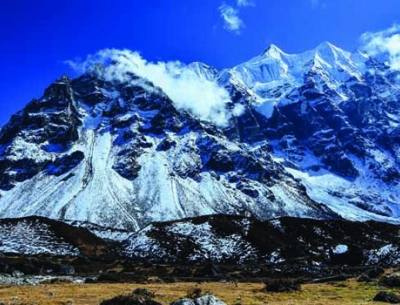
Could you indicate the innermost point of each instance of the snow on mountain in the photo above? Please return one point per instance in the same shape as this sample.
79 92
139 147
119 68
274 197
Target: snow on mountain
287 242
332 120
308 135
206 244
285 245
128 157
275 73
32 238
41 236
105 233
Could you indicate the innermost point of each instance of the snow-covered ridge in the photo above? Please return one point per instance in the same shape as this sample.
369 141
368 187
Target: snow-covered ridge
237 240
42 236
309 135
274 74
128 157
27 237
286 243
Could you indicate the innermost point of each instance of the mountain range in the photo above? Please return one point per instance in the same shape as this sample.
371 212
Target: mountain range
310 135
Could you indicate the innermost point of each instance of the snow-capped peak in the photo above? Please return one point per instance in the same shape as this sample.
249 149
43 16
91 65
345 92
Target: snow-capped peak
277 71
273 51
327 48
333 57
124 153
203 70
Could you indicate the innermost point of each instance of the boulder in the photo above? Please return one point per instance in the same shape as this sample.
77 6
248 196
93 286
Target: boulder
208 300
387 297
203 300
131 299
139 296
364 278
391 280
282 285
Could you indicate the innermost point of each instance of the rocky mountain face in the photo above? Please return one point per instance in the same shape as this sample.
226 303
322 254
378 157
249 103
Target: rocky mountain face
279 243
317 136
218 247
332 122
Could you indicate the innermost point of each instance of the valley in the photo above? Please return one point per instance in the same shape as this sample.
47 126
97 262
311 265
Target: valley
348 292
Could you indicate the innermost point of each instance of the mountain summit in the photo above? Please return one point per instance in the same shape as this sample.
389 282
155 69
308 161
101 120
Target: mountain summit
312 135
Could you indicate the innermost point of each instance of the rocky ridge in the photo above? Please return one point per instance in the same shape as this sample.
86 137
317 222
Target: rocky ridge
317 137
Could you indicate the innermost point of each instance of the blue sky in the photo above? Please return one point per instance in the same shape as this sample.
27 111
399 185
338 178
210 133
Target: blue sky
36 37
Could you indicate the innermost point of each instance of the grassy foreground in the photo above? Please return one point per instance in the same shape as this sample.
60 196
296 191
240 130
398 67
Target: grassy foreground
343 293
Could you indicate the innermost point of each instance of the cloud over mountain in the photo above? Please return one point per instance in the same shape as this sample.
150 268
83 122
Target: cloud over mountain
189 91
384 43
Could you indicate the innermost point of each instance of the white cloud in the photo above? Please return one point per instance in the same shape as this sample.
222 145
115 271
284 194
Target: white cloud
230 15
384 44
232 21
244 3
202 97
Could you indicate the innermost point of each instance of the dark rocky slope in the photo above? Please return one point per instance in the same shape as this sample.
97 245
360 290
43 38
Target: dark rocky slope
208 247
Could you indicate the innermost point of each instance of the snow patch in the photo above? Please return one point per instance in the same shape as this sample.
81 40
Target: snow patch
340 249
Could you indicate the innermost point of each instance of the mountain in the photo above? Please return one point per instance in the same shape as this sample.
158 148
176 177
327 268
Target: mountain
290 243
216 246
334 124
313 135
41 236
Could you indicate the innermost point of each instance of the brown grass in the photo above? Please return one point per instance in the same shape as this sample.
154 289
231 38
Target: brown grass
344 293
